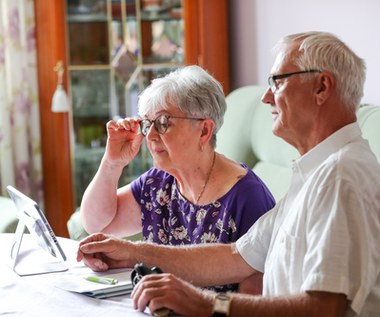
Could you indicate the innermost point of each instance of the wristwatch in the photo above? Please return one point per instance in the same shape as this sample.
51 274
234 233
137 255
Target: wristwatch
221 307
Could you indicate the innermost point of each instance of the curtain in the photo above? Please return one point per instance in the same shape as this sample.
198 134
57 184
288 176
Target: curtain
20 145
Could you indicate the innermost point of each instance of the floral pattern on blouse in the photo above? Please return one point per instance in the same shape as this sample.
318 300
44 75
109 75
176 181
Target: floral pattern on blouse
169 218
177 221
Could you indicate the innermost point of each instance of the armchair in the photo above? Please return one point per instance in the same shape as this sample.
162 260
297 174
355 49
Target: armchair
246 136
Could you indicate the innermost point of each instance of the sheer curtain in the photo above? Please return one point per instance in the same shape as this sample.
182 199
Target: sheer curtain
20 146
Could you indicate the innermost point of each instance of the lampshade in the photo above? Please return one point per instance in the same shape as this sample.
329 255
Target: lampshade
60 101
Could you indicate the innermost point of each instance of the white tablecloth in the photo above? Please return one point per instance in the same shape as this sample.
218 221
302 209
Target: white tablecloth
37 296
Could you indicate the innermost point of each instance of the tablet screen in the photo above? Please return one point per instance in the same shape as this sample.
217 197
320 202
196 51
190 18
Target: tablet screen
34 219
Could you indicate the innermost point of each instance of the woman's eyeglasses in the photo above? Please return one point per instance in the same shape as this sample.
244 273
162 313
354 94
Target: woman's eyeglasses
161 123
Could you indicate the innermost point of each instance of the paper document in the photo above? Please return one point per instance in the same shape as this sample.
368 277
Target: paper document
79 283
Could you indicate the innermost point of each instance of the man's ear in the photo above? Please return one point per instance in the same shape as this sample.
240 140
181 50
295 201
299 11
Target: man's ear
324 87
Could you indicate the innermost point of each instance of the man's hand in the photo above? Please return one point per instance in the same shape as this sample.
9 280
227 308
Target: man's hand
101 252
166 290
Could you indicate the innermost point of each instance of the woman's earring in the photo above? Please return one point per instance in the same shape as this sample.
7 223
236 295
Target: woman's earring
201 147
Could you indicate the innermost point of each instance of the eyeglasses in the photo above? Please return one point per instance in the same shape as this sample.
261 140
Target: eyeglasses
272 79
161 123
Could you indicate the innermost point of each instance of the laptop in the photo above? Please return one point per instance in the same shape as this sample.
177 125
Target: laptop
31 217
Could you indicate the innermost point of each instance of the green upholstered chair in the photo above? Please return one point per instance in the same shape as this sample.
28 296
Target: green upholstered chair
77 232
246 136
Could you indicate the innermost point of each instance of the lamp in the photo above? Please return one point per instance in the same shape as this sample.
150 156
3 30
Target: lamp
60 101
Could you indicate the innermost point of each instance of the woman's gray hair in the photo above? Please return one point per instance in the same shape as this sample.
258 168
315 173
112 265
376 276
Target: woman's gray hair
324 51
192 90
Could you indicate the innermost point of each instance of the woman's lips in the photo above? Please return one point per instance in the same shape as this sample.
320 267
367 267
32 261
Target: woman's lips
158 151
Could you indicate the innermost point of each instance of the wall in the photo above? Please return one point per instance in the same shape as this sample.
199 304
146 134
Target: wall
256 25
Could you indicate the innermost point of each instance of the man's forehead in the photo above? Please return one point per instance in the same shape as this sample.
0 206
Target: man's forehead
285 58
281 61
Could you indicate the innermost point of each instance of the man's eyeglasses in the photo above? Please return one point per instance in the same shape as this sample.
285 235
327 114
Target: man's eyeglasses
272 79
161 123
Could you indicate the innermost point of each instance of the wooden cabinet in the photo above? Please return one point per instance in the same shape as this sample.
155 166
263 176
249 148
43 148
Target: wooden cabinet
89 44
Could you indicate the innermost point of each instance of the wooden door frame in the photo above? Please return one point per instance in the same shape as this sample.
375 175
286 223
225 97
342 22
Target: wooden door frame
55 127
206 37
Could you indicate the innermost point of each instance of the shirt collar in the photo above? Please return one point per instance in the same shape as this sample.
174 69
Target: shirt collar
317 155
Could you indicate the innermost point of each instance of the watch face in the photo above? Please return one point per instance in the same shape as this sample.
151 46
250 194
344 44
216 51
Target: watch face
221 305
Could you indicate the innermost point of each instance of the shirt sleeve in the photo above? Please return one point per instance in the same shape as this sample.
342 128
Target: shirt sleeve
253 246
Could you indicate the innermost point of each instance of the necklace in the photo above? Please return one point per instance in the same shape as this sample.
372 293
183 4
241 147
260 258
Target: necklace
207 179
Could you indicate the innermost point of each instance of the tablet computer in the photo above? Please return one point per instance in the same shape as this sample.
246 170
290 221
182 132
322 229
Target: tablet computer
31 217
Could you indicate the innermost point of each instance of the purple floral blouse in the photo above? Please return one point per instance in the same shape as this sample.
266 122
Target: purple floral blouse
169 218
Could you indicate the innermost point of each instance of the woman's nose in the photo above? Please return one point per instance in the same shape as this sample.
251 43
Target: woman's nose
151 133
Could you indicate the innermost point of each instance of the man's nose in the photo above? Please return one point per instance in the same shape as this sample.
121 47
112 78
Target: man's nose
268 97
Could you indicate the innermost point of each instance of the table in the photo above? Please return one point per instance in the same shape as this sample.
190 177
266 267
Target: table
36 295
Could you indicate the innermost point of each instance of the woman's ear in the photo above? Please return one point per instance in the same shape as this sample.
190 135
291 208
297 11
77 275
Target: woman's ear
324 87
207 126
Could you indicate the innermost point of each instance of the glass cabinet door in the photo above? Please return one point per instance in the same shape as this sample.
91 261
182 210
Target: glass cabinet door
115 48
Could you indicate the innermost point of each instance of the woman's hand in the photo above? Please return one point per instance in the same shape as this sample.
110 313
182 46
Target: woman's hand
165 290
124 141
101 252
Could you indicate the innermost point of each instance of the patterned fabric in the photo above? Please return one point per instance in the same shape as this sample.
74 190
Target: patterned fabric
169 218
20 149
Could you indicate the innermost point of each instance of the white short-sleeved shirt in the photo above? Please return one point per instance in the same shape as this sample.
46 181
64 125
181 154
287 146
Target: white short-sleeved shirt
324 234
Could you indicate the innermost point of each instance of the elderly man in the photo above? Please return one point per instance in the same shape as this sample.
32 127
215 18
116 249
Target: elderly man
318 246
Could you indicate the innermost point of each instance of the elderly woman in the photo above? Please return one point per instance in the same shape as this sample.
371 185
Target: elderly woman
192 194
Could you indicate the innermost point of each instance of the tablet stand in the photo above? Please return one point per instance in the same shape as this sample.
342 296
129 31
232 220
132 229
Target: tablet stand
20 263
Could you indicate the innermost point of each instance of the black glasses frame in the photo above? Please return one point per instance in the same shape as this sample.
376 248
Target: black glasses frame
161 123
272 79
